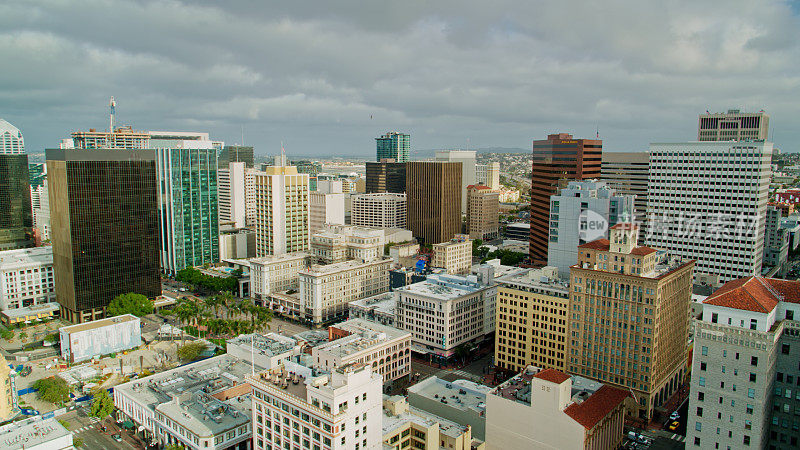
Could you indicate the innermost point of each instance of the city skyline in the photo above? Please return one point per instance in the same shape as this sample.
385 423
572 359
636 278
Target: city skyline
472 77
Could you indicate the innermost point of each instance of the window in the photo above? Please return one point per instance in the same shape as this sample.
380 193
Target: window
785 349
751 393
746 440
698 426
754 360
714 317
704 351
701 381
701 396
697 441
702 366
699 412
752 377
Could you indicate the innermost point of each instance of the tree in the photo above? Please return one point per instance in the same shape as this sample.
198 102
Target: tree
130 303
476 244
102 405
174 447
77 442
53 389
191 351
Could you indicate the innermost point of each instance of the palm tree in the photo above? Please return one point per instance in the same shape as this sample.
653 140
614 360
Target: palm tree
185 311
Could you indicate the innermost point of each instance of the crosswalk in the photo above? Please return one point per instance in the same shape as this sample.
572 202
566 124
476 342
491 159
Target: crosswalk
678 437
467 375
94 420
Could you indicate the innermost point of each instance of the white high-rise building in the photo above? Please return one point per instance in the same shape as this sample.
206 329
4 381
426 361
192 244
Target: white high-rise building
468 173
281 211
26 277
296 406
40 202
11 140
385 210
325 209
231 185
580 213
488 175
707 201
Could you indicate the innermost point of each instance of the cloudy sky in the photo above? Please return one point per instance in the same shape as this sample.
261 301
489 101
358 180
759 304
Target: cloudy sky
327 80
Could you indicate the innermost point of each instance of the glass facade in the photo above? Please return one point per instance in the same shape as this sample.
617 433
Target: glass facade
16 216
396 146
189 207
104 214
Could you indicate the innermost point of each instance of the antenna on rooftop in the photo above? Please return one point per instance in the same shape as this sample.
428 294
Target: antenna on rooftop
112 104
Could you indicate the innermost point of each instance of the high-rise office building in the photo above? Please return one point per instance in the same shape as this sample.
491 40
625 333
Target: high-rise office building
627 173
105 223
468 174
582 212
636 301
733 125
745 373
393 145
11 140
236 153
558 158
231 187
385 210
434 200
16 214
325 209
483 206
488 175
281 211
707 201
187 185
122 137
386 177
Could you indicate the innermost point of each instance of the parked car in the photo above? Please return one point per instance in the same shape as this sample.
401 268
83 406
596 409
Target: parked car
674 416
674 425
116 437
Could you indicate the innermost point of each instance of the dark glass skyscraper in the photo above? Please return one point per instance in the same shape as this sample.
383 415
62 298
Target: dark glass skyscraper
236 153
393 145
105 232
16 216
386 177
434 200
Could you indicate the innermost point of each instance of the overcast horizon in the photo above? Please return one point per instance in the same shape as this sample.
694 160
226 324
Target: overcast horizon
327 80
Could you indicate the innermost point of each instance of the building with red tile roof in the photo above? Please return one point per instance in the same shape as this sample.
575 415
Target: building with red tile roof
550 409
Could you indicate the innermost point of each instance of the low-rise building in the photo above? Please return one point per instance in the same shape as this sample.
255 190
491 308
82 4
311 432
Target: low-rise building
203 405
337 244
385 348
384 210
454 256
407 427
265 350
277 273
326 290
461 401
47 434
446 311
378 308
545 409
26 277
532 320
296 406
100 337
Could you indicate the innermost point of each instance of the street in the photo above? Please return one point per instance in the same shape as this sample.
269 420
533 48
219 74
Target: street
89 430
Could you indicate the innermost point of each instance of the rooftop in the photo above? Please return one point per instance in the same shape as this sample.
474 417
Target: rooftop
364 336
755 294
383 303
424 419
99 323
458 394
31 310
545 278
32 434
271 344
445 287
320 269
26 257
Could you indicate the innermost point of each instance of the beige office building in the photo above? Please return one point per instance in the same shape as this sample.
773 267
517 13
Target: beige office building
636 300
531 320
335 244
483 206
433 192
281 211
455 256
276 273
733 125
385 210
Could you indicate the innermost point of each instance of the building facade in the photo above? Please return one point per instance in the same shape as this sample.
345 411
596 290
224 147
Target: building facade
325 209
483 205
446 311
707 201
733 125
16 213
188 205
638 301
11 140
231 198
105 222
776 240
468 173
236 153
385 177
281 211
743 391
454 256
488 175
434 199
276 273
386 210
26 277
558 158
85 341
532 322
627 173
393 145
582 212
405 426
336 244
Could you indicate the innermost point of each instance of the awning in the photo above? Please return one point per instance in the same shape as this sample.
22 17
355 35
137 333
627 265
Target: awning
127 424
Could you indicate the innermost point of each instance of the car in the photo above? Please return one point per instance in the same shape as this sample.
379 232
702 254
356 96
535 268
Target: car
674 425
674 416
182 289
116 437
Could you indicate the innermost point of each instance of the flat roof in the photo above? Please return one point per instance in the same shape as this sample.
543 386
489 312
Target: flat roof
459 394
32 434
320 269
271 344
365 335
384 303
31 310
278 258
99 323
26 257
444 287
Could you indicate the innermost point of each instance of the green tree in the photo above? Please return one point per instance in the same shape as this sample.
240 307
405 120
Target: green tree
191 351
77 442
102 405
130 303
53 389
475 246
174 447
